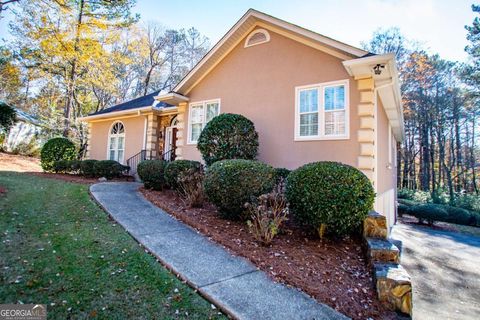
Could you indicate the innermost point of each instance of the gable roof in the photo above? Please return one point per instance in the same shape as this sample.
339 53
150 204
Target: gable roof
144 101
251 19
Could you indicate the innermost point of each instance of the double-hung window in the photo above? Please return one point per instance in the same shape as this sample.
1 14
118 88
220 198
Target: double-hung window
199 115
322 111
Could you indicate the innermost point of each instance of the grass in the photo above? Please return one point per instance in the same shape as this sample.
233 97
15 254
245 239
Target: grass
59 248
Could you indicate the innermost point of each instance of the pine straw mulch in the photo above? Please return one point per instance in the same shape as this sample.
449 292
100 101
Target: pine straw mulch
333 272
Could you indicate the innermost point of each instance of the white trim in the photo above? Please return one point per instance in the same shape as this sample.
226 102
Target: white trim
254 32
203 103
250 20
321 111
124 135
173 96
115 113
375 142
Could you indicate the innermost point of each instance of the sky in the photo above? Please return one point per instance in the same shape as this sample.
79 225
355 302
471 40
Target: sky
438 25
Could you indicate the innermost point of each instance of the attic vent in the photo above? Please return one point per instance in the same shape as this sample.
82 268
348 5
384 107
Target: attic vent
258 36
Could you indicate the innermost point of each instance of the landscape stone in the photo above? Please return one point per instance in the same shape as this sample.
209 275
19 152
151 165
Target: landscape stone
375 226
394 287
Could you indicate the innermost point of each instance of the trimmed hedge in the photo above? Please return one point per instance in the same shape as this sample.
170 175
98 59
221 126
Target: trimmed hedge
109 169
228 136
54 150
230 184
152 173
87 168
174 169
329 194
429 213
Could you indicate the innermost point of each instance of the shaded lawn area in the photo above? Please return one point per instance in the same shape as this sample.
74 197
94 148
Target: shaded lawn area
59 248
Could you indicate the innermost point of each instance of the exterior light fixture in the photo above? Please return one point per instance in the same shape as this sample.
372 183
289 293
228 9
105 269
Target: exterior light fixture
378 69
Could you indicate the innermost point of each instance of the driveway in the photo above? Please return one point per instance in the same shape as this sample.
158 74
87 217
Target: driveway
445 271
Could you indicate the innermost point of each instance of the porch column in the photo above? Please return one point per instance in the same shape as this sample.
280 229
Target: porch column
181 129
89 140
151 145
366 132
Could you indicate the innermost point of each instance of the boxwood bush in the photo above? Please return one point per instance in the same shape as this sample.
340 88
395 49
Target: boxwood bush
108 169
230 184
54 150
152 173
87 168
175 169
429 213
331 195
228 136
61 166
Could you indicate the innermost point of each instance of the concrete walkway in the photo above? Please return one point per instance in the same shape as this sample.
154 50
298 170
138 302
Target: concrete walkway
232 283
445 271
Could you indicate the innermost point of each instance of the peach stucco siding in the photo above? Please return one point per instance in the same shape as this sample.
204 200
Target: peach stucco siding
259 82
134 137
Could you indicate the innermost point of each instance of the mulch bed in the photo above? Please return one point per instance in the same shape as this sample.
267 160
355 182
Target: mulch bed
333 272
75 178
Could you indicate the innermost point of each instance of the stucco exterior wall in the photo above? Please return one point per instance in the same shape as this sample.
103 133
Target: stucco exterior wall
134 137
259 82
387 173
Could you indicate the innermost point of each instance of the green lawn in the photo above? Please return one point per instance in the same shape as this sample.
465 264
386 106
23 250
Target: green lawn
59 248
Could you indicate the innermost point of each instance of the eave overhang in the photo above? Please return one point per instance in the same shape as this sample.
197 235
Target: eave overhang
386 84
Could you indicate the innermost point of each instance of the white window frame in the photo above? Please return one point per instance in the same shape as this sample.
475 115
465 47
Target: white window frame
204 106
254 32
124 135
321 111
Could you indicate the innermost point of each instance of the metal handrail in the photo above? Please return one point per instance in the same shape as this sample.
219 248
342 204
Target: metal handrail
134 160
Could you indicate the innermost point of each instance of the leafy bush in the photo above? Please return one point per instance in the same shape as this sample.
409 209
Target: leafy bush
190 187
329 194
7 116
152 173
459 216
108 169
428 213
408 203
74 166
56 149
468 202
281 174
440 196
267 214
229 184
228 136
402 209
174 169
87 168
405 193
61 166
415 195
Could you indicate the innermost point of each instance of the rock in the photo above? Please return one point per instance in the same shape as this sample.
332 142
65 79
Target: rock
375 226
102 179
394 287
382 250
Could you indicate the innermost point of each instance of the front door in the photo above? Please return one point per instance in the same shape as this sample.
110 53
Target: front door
170 143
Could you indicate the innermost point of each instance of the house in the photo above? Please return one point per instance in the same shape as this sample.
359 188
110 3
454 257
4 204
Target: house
310 97
23 134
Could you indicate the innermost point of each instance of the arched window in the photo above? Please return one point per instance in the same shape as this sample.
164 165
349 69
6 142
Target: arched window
257 36
116 142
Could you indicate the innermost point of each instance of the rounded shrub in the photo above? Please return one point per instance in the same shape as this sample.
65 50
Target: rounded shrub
61 166
54 150
108 169
87 168
459 216
175 169
329 195
229 184
429 213
152 173
74 166
228 136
